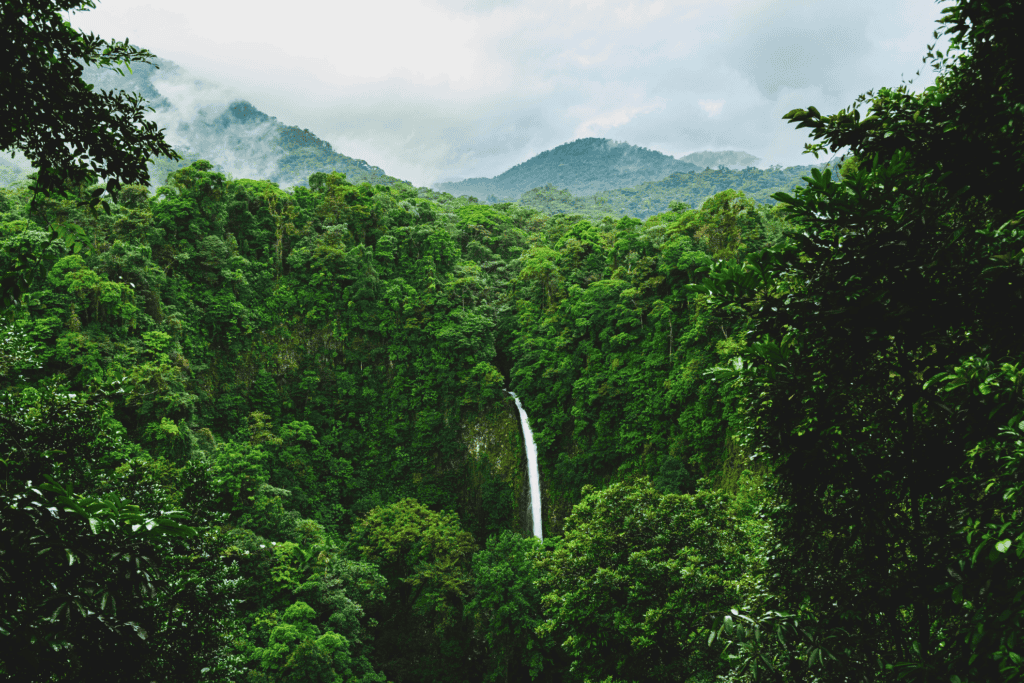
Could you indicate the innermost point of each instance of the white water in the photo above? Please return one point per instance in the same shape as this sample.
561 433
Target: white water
531 460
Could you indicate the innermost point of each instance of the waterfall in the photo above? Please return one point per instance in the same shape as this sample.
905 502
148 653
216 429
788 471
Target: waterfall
531 459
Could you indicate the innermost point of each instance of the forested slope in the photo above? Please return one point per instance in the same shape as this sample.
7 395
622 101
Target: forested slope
729 158
311 368
648 199
251 434
582 166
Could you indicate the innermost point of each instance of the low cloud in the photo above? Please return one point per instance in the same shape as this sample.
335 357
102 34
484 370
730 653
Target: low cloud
711 107
439 89
606 123
193 114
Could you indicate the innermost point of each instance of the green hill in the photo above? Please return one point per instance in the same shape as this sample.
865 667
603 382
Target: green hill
11 173
584 166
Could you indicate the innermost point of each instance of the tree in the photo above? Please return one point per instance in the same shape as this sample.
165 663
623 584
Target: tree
638 573
425 557
298 652
883 349
84 573
506 605
69 132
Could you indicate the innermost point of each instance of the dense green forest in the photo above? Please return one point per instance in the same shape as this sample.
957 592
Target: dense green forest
250 434
647 199
316 380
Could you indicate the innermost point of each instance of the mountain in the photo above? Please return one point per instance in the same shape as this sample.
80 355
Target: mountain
205 121
589 166
583 166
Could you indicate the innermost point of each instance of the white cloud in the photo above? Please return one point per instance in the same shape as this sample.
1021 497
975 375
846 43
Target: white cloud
603 123
711 107
431 89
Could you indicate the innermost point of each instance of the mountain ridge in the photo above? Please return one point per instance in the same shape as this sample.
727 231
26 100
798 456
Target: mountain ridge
587 166
206 121
231 133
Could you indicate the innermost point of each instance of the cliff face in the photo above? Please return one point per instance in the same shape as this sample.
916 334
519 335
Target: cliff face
497 485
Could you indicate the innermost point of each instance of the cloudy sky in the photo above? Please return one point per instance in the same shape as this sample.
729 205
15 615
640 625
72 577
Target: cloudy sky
443 89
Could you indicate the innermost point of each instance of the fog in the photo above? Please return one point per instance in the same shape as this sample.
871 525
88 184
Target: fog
446 89
191 112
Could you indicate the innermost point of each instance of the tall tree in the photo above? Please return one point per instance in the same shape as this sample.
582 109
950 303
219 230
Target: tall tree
883 366
426 558
634 579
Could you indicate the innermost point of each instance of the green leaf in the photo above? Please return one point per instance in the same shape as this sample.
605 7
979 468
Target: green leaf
1004 545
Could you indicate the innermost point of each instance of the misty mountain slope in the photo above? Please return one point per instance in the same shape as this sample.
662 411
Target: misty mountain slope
728 158
13 171
589 166
205 121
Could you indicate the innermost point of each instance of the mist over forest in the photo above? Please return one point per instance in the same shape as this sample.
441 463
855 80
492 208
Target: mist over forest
591 177
610 415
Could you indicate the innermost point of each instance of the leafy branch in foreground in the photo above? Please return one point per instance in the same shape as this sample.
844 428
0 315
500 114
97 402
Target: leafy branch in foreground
70 132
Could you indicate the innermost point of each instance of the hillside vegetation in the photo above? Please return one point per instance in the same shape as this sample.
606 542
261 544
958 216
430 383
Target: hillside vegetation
584 166
306 374
649 199
250 434
729 159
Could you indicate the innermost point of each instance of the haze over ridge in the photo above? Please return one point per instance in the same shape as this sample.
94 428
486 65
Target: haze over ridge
438 89
206 120
209 121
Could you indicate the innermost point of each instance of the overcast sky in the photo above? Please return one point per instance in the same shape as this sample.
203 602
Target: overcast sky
441 89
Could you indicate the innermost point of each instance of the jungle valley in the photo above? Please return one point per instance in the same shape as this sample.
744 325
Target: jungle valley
259 434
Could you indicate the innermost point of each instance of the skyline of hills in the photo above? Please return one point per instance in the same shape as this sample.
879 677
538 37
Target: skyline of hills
590 165
205 121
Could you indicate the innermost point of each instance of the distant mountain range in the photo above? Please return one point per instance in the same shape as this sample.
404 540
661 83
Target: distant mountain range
202 121
205 121
654 197
589 166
